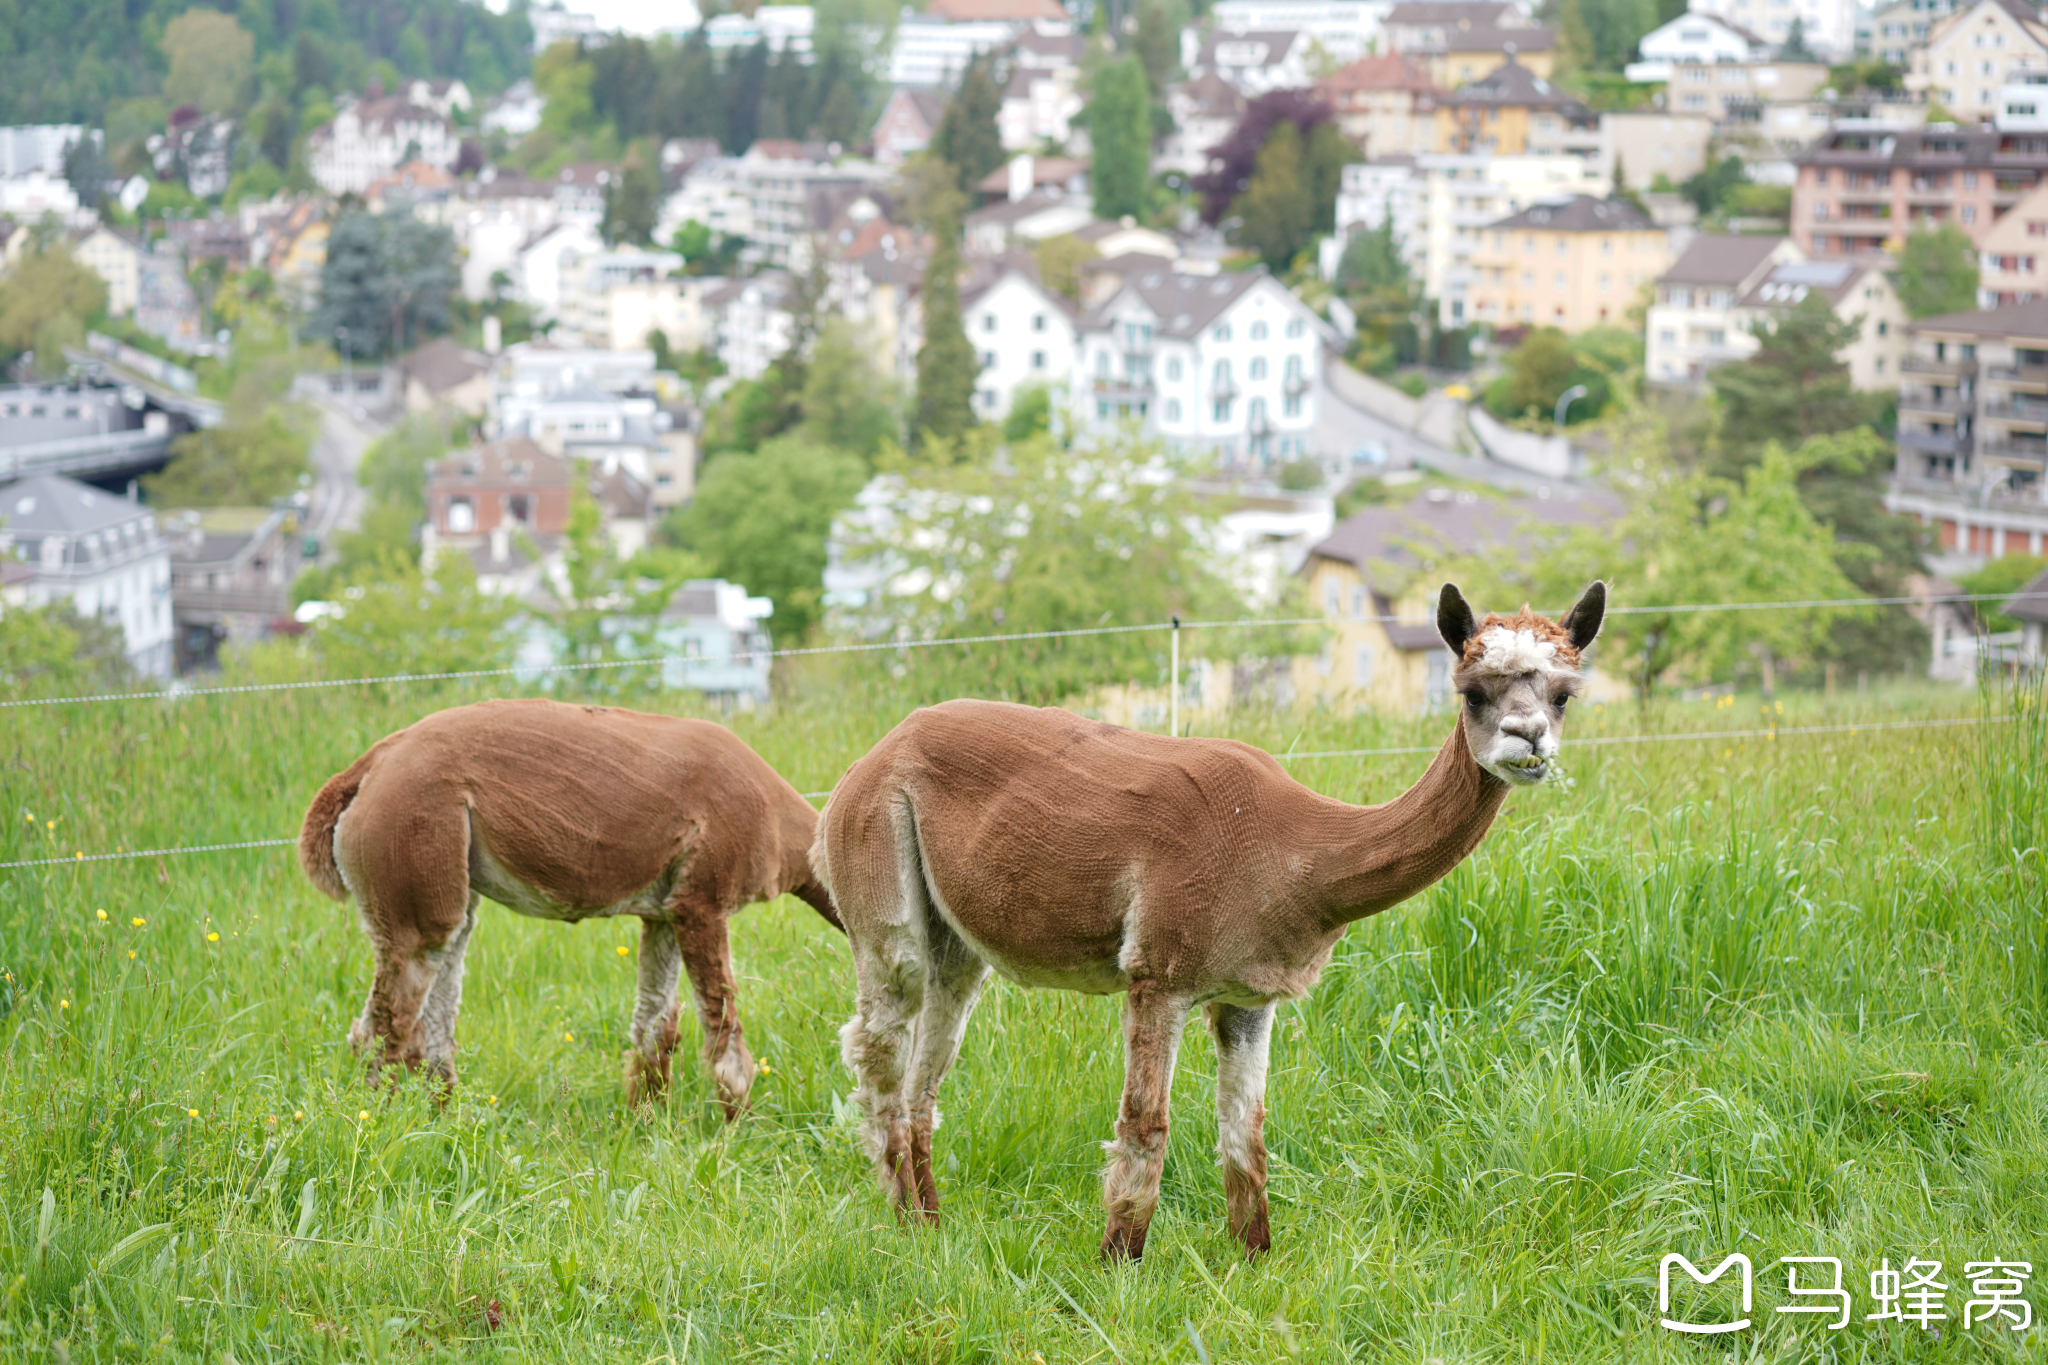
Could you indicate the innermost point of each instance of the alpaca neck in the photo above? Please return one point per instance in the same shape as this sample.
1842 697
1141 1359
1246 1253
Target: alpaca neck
1377 856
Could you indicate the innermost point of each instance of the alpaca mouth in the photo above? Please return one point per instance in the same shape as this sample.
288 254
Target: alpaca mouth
1532 768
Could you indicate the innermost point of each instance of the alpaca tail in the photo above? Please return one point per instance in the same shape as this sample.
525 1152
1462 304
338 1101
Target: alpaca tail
316 836
818 891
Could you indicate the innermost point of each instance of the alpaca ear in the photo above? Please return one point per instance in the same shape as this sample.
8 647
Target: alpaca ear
1582 622
1454 619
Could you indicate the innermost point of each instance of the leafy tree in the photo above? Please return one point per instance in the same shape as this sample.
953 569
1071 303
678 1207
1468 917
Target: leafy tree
1842 480
47 285
210 57
53 651
946 363
1119 119
1274 214
564 80
1372 261
1793 387
1059 260
761 520
604 603
1234 160
1538 372
1938 271
244 462
1155 41
1794 48
1030 413
1708 188
396 617
388 279
968 138
1047 537
846 402
2004 576
87 170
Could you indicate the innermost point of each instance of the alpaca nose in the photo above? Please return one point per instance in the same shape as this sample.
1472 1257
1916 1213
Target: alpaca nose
1525 727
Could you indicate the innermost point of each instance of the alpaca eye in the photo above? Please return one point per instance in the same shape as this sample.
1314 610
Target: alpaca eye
1562 700
1475 699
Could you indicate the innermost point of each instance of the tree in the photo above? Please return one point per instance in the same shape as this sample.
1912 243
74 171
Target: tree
53 651
46 286
1275 214
210 57
1538 372
395 617
2004 576
246 461
1707 188
761 520
632 202
388 279
1234 159
1050 536
1793 387
606 606
87 170
1119 118
846 402
967 138
1372 261
1059 260
1794 48
946 364
1938 271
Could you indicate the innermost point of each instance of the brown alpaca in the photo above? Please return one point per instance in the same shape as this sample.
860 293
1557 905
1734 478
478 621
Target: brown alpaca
561 812
1183 872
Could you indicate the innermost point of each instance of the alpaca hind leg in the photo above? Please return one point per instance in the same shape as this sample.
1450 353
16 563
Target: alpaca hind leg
435 1032
707 956
957 976
655 1011
1243 1042
877 1043
1137 1158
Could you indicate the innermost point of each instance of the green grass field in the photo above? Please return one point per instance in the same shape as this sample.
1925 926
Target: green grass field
1778 996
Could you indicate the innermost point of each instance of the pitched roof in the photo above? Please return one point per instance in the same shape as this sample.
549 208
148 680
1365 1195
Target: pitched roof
1791 281
1448 12
2014 319
1531 38
1012 11
46 504
515 460
928 104
1379 539
1211 95
1511 83
1045 170
1385 71
992 271
1276 42
1580 213
1720 258
1184 304
441 365
2030 603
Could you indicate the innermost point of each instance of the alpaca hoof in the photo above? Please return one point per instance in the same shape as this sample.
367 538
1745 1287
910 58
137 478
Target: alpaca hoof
1123 1242
646 1078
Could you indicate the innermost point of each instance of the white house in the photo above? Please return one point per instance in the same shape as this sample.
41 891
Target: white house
1204 110
1022 332
995 229
1039 105
717 192
1370 193
785 28
588 278
1228 363
369 139
542 262
929 51
1692 39
1258 61
101 553
114 256
1463 192
445 97
750 322
516 112
1345 29
1829 25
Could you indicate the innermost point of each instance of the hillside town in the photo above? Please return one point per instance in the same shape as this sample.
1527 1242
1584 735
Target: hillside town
667 341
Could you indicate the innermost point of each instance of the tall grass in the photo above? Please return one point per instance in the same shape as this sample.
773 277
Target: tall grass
1780 996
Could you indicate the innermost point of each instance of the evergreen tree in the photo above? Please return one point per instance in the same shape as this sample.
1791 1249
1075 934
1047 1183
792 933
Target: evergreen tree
1275 213
946 367
632 202
967 137
1794 48
1156 45
1120 127
1938 272
1793 387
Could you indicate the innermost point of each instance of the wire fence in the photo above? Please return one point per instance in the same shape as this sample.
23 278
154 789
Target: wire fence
530 672
79 859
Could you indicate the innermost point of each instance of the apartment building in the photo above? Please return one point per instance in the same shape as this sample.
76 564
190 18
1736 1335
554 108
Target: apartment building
1968 55
1462 196
1973 430
1457 41
1829 26
2012 260
1692 326
1022 332
1512 111
1737 91
1572 264
1384 103
1638 147
1862 188
1694 40
1898 28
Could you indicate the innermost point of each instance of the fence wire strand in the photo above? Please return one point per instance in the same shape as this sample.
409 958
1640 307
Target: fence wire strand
532 671
1594 741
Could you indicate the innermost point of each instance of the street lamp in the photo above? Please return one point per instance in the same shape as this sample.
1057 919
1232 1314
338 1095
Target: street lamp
1564 401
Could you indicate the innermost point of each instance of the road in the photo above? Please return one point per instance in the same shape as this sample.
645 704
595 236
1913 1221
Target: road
337 499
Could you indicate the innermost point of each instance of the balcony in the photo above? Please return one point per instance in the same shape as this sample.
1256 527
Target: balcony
1949 403
1866 194
1858 227
1934 442
1922 364
2018 374
2030 414
2005 448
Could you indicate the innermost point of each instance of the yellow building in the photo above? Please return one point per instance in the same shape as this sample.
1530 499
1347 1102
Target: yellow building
1371 580
1571 264
1473 53
1512 111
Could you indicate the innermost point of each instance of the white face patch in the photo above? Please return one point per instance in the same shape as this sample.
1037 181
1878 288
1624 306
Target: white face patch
1511 653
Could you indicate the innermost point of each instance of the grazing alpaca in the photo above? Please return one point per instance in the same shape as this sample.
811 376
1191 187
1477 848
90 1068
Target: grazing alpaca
1067 853
561 812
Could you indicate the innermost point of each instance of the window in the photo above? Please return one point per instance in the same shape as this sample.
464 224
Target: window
1222 412
1292 405
1220 380
1102 364
1606 280
1558 279
1667 336
1255 414
1258 367
1357 602
988 360
1173 371
1038 322
1258 331
1436 683
1884 329
1361 667
461 516
1220 332
1293 370
1173 410
1969 213
1295 328
519 508
1332 596
1969 180
988 322
1038 360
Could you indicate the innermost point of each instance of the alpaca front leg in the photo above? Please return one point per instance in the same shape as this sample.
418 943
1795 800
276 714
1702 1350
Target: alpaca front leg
1130 1183
707 956
655 1008
1243 1043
